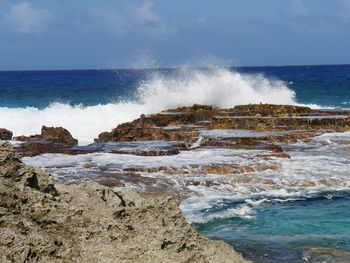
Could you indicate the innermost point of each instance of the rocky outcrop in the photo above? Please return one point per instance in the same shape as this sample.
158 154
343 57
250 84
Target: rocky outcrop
43 222
50 140
130 132
5 134
261 117
58 135
270 110
195 108
51 135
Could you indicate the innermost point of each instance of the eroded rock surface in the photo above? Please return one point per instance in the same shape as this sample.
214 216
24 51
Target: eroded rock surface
43 222
5 134
50 140
262 117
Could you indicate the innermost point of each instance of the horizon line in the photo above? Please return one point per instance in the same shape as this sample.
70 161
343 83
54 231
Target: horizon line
173 68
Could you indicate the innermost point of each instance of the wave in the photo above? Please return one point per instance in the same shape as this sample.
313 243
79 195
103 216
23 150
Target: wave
201 210
219 87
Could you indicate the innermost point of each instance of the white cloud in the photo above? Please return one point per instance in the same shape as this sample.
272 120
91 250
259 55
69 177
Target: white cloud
299 8
145 13
134 18
346 8
24 18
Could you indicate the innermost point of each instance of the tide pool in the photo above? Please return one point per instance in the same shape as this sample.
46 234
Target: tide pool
283 230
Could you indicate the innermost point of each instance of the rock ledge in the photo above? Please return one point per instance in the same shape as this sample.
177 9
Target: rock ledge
44 222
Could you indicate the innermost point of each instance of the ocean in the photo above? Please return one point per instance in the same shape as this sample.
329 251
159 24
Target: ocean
273 216
90 101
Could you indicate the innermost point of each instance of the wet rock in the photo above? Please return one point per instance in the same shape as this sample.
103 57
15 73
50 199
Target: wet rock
58 135
128 132
33 148
42 222
51 140
5 134
269 156
194 108
271 110
51 135
318 255
325 124
294 121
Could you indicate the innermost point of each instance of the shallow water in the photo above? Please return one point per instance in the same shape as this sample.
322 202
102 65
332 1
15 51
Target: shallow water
281 230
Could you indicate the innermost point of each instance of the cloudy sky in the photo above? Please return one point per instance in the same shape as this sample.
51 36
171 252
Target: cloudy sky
75 34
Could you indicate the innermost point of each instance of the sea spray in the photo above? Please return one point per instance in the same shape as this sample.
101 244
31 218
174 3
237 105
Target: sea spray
218 87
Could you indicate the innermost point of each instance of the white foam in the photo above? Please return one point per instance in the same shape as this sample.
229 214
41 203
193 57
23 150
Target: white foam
242 211
218 87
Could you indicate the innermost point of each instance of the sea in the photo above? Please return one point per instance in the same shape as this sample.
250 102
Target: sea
269 215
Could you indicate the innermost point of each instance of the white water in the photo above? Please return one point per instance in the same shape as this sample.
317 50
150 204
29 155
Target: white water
218 87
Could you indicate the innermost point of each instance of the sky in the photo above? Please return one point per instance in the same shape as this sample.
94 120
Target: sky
86 34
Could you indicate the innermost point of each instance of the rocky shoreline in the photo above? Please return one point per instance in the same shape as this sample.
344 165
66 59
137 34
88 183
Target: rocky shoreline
193 126
46 222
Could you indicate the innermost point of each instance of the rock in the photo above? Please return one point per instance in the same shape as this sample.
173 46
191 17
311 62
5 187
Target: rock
51 135
129 132
43 222
194 108
270 110
51 140
183 123
315 255
58 135
40 147
5 134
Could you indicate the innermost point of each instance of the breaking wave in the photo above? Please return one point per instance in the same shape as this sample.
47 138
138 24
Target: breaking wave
218 87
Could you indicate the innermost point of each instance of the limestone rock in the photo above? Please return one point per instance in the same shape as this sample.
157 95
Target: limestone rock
43 222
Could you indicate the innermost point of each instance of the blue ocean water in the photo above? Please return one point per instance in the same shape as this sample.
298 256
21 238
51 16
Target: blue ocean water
327 86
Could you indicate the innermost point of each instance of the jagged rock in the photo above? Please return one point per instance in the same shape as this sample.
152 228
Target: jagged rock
128 132
51 140
194 108
51 135
58 135
271 110
5 134
263 117
42 222
325 124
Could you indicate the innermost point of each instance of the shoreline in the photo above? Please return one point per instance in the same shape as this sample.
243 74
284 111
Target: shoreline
191 151
89 222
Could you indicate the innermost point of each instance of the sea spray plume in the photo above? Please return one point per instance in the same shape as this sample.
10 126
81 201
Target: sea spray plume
219 87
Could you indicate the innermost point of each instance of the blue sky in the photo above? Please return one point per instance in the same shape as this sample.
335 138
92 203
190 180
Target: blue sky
75 34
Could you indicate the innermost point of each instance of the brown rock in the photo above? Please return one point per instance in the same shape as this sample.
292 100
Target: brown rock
126 132
51 140
58 135
5 134
259 110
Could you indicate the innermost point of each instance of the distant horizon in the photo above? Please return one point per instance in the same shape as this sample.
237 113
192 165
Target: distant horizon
179 67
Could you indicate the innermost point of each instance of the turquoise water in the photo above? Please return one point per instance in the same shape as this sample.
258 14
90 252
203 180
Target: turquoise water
282 230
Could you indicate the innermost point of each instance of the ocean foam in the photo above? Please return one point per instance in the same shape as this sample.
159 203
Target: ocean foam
219 87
